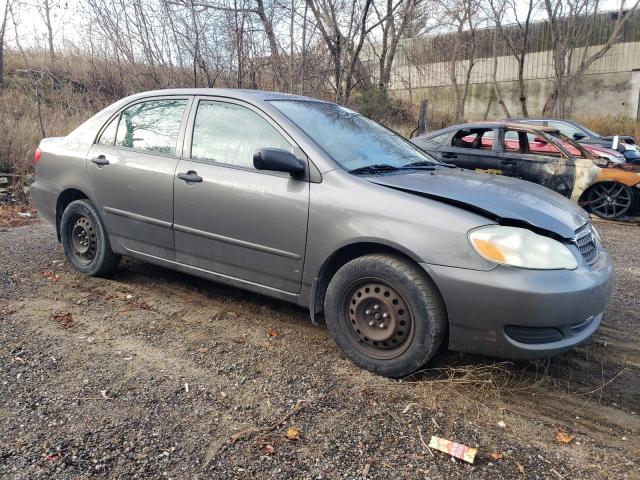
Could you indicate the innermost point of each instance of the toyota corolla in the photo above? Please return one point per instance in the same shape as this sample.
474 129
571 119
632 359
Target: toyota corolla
312 203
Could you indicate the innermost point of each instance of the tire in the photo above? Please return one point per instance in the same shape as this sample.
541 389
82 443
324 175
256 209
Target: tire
609 200
362 292
85 241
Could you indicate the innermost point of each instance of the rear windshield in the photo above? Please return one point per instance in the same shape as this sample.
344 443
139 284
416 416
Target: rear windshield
350 139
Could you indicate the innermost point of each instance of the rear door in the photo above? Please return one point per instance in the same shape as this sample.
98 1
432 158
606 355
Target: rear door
235 220
533 158
471 148
131 169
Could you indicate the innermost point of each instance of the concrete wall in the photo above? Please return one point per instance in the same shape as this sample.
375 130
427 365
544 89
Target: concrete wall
611 85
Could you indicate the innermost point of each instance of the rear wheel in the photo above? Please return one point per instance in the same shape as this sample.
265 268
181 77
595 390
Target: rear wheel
609 200
385 314
85 241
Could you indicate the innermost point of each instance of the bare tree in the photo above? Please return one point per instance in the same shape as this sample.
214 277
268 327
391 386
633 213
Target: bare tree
3 30
464 16
515 37
570 28
45 8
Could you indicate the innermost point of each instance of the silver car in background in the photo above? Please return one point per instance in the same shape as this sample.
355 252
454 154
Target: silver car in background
309 202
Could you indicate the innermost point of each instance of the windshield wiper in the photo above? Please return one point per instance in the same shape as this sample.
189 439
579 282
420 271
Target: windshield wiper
376 167
383 167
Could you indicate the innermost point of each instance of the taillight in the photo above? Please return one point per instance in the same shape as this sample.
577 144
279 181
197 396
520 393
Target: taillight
36 156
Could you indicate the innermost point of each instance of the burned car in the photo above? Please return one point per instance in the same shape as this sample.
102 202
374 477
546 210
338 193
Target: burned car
311 203
542 155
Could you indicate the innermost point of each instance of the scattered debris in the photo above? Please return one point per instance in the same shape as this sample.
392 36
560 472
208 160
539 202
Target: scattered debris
502 424
104 395
456 450
563 437
272 332
367 467
186 387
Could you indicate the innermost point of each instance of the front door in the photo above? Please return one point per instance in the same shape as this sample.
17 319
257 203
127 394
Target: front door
131 168
230 218
534 158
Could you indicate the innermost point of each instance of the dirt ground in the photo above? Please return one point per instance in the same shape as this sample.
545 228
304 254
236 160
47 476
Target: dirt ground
152 373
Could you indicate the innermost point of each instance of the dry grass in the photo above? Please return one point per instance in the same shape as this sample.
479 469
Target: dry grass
610 125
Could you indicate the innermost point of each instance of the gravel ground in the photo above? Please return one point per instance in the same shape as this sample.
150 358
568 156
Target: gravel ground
152 373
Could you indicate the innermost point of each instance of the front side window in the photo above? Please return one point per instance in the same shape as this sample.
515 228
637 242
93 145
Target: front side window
231 134
151 126
108 136
351 140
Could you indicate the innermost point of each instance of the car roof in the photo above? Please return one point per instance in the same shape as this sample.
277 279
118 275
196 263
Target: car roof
237 93
498 124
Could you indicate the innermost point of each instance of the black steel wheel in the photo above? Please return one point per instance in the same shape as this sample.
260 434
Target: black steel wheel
85 239
385 314
380 319
609 200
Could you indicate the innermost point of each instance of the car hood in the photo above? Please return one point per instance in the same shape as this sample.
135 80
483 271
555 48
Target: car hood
506 200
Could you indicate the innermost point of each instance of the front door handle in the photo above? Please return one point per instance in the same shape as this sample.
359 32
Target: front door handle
449 155
190 177
100 160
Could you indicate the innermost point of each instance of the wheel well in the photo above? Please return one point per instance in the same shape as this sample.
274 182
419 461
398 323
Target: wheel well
340 258
64 199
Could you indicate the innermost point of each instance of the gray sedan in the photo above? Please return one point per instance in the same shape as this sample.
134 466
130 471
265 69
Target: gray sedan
310 202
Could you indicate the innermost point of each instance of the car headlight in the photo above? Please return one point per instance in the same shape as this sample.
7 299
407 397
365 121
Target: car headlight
521 248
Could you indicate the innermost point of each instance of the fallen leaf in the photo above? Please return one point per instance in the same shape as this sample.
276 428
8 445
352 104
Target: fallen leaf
293 434
496 455
64 319
267 449
53 457
272 332
520 468
563 437
51 276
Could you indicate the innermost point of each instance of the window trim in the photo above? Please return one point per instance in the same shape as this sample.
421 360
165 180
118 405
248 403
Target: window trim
181 129
190 126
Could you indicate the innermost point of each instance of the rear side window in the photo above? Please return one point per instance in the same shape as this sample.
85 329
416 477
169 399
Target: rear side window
108 136
151 126
474 138
229 133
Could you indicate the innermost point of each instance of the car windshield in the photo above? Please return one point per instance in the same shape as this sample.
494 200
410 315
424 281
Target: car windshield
353 141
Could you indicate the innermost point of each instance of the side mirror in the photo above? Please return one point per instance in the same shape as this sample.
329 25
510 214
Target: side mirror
278 160
578 136
539 139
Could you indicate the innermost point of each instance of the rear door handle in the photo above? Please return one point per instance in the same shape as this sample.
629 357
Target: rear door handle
190 177
100 160
449 155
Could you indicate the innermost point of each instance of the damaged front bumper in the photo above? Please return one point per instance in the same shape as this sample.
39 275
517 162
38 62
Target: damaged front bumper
523 314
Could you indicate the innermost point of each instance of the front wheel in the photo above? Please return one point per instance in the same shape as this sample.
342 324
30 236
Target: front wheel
385 314
609 200
85 241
